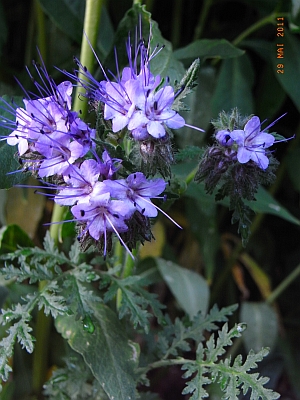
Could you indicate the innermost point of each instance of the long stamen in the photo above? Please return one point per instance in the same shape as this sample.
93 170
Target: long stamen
119 237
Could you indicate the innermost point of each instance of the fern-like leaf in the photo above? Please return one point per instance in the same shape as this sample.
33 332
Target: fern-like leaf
208 368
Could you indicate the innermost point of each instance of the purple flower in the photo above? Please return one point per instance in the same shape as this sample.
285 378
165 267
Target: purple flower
132 98
224 138
109 166
40 116
103 215
155 112
138 191
59 153
80 183
49 135
251 143
82 134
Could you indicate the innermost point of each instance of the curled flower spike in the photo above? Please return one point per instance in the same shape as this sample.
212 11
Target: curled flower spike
237 163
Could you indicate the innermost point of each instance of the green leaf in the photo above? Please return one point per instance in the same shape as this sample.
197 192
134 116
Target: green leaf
199 112
270 94
265 203
290 65
203 224
208 48
189 288
68 15
262 325
135 300
234 86
108 352
164 64
175 337
10 164
11 237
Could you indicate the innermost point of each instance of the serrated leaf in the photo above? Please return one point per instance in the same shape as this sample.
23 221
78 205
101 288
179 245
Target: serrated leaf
52 303
23 334
107 351
208 48
189 288
186 85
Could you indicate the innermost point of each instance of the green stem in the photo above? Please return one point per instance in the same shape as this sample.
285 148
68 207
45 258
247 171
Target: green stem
283 285
191 176
89 39
165 363
203 15
127 271
269 19
55 228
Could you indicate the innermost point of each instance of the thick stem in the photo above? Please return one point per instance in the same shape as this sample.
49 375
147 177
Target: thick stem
89 39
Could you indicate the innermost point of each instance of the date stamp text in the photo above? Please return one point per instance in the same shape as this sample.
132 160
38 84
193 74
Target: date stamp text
280 44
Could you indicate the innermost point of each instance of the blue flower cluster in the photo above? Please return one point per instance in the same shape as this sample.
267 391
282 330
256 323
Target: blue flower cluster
54 142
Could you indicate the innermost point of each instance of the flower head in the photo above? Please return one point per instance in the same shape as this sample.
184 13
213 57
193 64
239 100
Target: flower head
50 137
137 191
102 216
133 99
252 143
